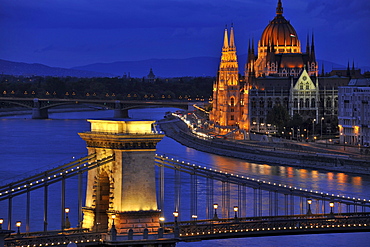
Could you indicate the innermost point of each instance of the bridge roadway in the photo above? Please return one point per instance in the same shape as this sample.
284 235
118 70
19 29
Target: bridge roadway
186 231
40 106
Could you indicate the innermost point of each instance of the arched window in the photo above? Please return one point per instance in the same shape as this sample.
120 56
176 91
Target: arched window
328 102
307 105
277 101
313 102
254 105
269 103
232 101
295 103
301 103
307 85
301 86
262 103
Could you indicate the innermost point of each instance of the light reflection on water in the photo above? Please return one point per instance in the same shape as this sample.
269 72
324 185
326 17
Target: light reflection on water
36 144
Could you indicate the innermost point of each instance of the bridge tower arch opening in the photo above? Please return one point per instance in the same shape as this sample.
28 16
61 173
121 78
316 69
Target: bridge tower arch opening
124 187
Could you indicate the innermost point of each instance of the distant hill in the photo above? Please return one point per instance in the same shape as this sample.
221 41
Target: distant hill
27 69
196 66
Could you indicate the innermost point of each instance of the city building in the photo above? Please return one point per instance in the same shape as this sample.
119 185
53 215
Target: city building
278 74
354 112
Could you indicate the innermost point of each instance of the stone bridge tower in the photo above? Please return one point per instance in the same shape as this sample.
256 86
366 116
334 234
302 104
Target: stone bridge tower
124 187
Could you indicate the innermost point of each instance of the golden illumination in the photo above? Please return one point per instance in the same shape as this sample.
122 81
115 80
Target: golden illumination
66 210
18 223
331 204
309 201
215 206
176 214
236 208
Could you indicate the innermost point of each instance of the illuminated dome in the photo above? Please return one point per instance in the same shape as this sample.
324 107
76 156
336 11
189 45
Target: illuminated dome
281 34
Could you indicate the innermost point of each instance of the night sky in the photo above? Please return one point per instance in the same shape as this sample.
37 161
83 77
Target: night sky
67 33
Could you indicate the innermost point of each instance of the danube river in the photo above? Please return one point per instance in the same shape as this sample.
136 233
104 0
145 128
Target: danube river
28 146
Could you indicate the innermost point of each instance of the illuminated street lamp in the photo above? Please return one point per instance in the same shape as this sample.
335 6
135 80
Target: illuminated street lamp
175 214
236 208
313 126
322 119
215 206
1 223
18 224
113 217
331 204
68 224
161 221
309 202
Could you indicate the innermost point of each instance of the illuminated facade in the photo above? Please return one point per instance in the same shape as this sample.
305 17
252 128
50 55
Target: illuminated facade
354 113
124 187
278 74
226 113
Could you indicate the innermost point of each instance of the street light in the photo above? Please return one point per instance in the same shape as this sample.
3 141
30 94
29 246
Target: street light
161 221
313 126
236 208
1 223
18 224
175 214
68 224
322 119
215 206
331 204
113 217
309 202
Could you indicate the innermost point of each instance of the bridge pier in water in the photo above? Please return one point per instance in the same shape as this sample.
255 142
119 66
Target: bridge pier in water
125 187
38 112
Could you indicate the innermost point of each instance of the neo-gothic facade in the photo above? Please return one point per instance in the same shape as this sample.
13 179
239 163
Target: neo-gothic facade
279 73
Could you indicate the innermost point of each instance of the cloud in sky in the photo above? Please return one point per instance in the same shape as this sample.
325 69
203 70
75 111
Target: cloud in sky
68 33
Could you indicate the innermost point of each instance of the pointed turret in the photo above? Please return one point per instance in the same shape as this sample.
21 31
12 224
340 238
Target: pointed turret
313 56
348 70
232 39
226 41
308 44
322 70
279 8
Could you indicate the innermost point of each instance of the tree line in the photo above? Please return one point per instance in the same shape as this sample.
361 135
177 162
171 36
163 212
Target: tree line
181 88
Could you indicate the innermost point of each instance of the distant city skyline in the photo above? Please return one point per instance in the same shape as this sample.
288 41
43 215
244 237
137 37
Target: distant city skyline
75 33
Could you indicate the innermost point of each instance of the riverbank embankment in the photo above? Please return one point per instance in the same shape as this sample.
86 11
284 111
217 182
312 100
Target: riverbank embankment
307 157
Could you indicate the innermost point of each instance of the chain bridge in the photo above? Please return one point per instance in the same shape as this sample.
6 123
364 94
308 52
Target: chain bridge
135 197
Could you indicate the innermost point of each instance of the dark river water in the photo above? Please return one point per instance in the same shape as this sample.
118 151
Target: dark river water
28 146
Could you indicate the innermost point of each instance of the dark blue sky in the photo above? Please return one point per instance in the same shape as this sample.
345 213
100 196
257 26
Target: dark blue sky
67 33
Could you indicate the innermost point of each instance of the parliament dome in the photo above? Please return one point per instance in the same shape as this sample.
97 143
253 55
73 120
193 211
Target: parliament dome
281 34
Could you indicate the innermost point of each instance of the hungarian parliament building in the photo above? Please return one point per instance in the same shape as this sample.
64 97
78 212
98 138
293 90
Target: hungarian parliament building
277 72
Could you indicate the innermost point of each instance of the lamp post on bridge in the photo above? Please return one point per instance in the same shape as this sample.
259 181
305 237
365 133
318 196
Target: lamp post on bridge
309 202
18 224
1 223
68 223
215 206
176 215
331 204
236 208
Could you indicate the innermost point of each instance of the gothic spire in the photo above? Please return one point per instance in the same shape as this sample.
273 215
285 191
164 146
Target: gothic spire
279 8
226 40
313 56
232 40
348 71
308 44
